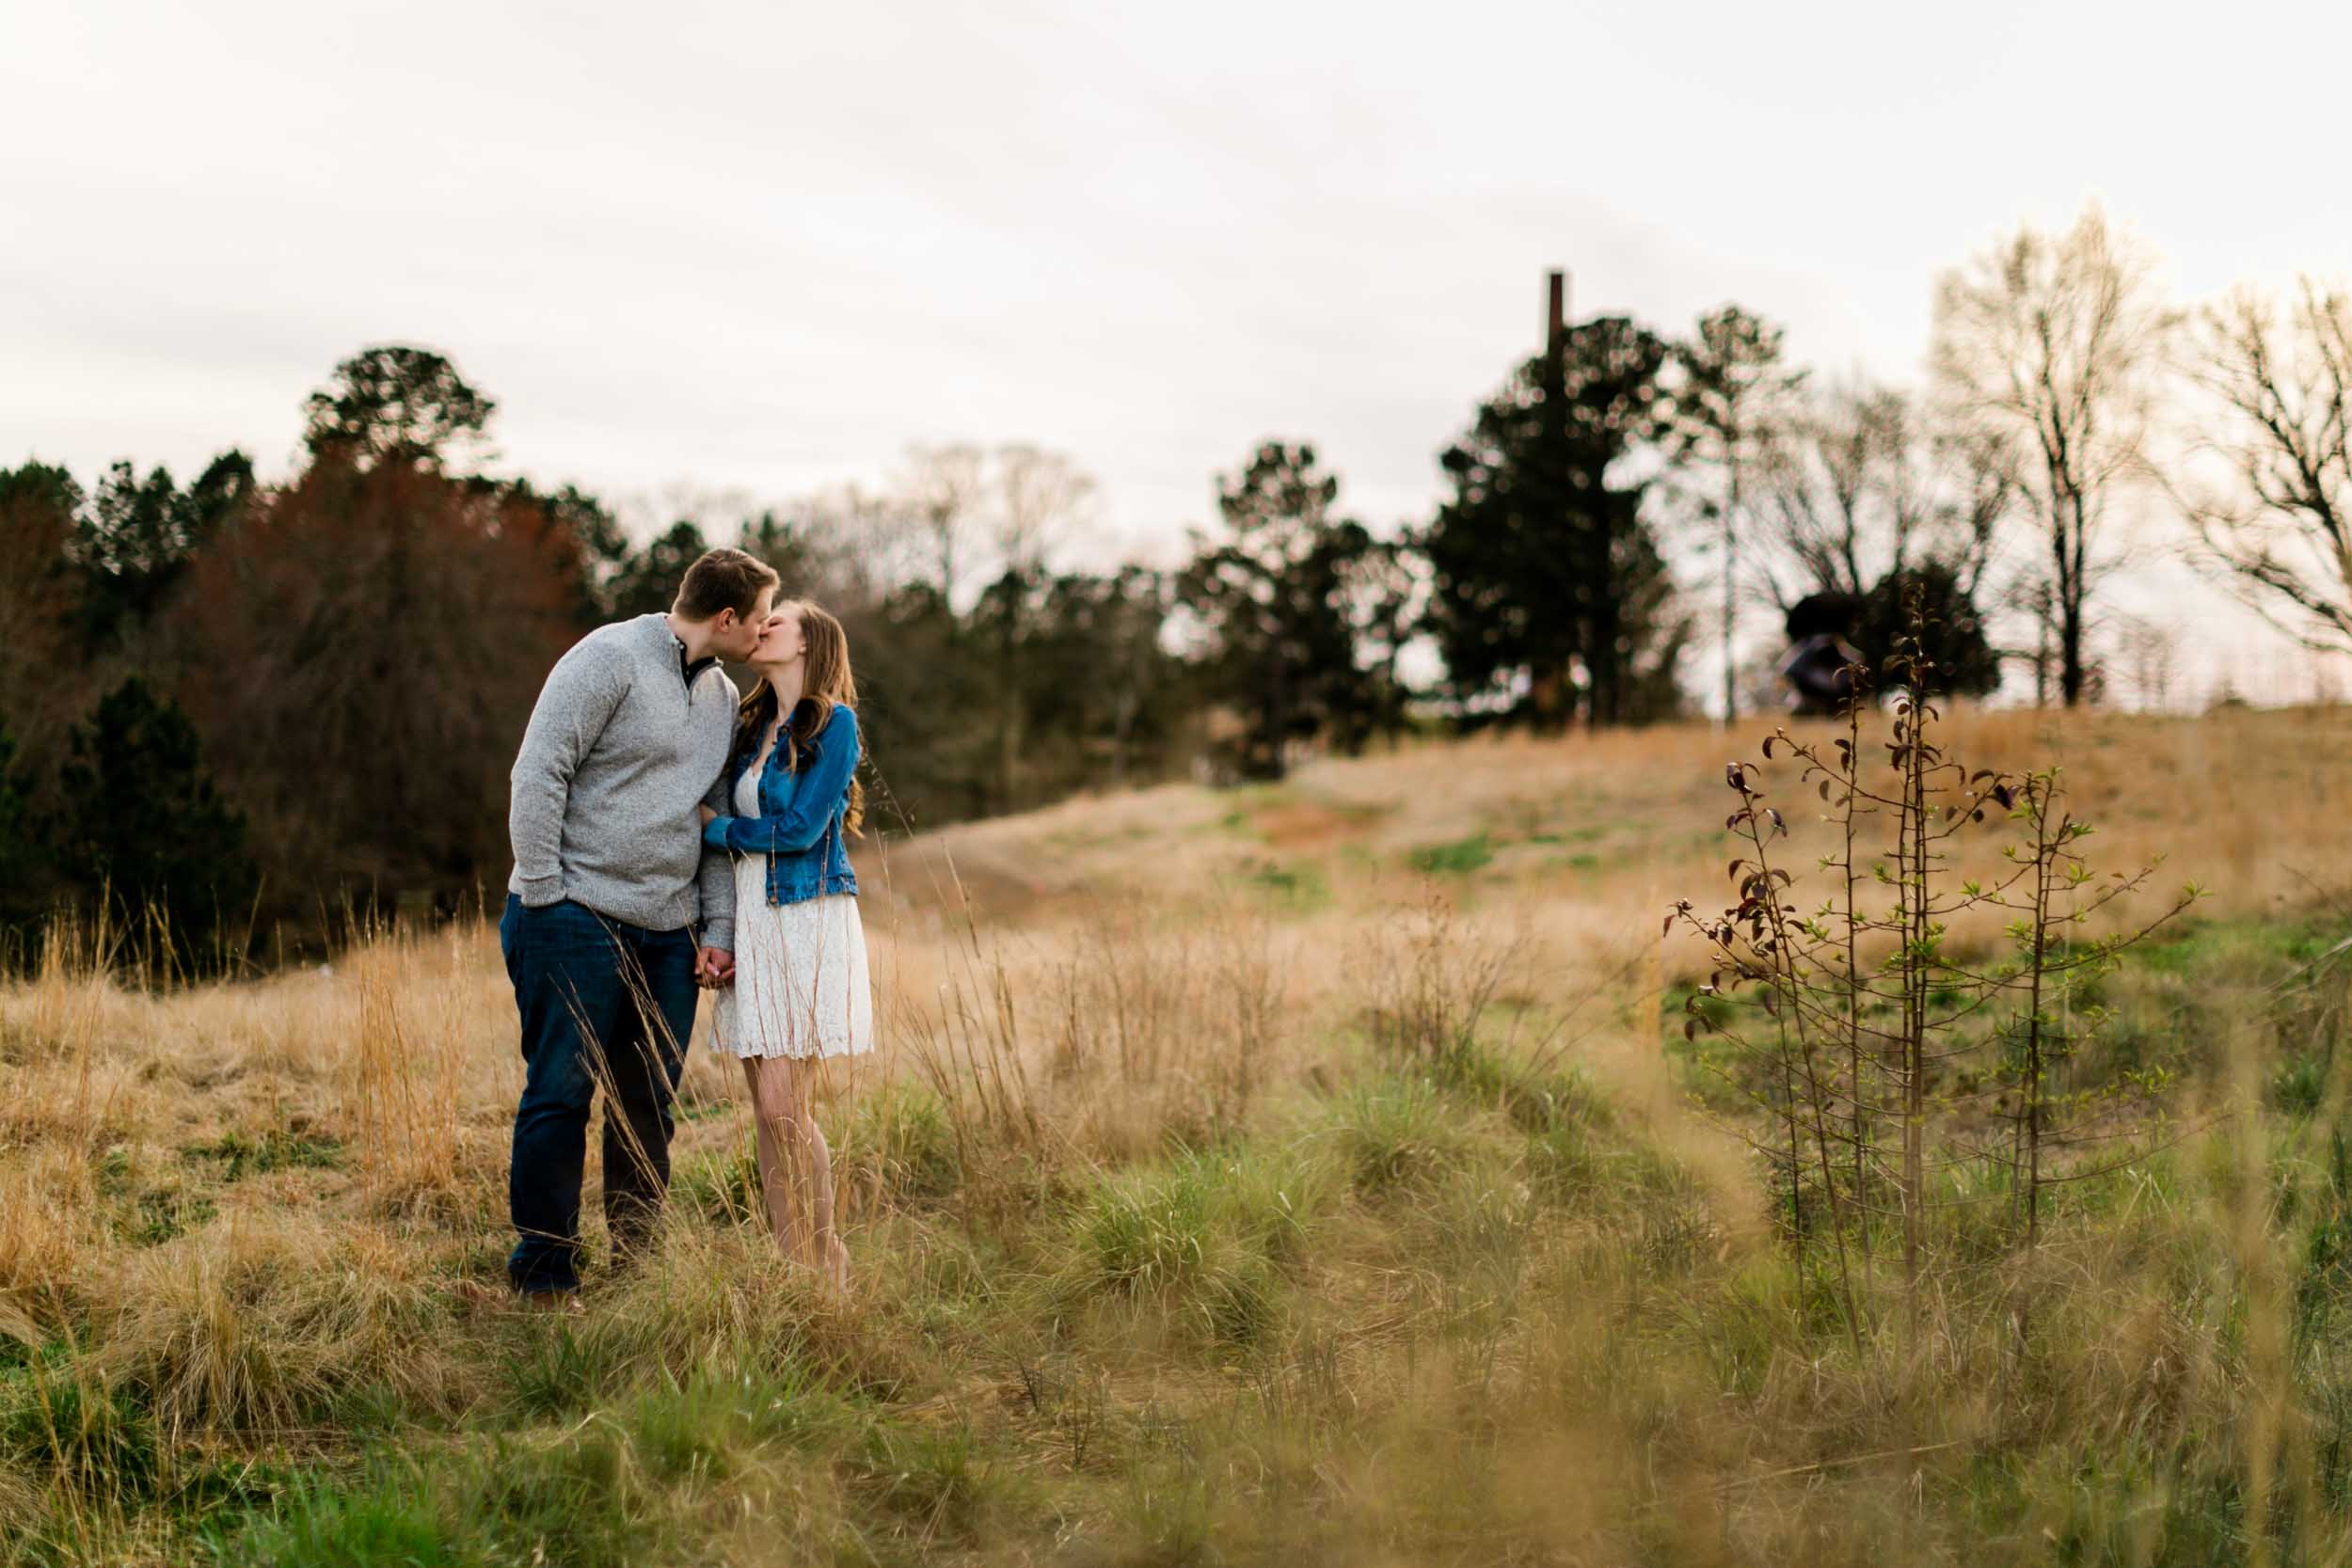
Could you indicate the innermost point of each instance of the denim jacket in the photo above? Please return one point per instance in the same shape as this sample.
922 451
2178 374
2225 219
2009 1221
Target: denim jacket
799 825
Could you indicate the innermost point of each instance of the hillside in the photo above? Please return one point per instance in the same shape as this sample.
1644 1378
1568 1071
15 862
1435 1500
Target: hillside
1310 1172
1619 819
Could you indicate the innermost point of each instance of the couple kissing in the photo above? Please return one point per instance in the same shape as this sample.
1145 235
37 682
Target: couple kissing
670 836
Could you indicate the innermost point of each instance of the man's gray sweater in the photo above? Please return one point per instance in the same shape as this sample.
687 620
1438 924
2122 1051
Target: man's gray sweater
621 749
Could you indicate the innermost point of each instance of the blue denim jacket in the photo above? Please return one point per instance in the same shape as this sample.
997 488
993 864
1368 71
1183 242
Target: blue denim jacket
799 825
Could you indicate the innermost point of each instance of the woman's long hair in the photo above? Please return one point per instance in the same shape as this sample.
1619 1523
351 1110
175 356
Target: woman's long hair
826 683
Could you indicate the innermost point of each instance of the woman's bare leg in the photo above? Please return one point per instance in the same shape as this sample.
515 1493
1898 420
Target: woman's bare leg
770 1156
795 1164
778 1118
828 1254
763 1142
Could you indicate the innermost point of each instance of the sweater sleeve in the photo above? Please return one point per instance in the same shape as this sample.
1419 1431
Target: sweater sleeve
816 796
715 881
574 706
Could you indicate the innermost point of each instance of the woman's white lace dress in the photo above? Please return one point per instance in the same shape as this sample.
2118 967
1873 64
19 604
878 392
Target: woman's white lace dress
801 982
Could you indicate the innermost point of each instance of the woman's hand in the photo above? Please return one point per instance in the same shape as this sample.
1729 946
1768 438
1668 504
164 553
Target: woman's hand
708 816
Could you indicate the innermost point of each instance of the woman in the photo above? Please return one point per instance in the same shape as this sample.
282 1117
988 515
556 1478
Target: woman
801 994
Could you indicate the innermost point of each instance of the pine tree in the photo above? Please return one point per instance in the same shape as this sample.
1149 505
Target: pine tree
143 819
1549 590
1273 598
647 583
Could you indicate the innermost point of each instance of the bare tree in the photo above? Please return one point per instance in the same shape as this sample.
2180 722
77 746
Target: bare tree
1040 498
943 489
1732 380
2151 649
2282 531
1858 483
2053 346
1820 492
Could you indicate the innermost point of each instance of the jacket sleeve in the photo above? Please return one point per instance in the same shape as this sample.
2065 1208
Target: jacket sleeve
574 706
715 881
816 795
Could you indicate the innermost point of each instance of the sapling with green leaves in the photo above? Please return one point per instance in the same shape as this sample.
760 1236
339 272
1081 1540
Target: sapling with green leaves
1870 1038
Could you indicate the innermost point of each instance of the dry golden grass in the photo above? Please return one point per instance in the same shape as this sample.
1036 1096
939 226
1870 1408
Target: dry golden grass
1165 1251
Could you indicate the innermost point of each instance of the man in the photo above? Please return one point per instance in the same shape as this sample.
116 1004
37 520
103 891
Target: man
630 735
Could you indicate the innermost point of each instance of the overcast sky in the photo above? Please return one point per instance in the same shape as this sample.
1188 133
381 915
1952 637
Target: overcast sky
766 246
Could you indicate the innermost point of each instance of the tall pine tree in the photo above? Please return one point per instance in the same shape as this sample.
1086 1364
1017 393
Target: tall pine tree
1273 598
1549 589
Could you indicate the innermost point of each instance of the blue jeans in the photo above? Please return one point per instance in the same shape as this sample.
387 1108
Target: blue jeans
604 1004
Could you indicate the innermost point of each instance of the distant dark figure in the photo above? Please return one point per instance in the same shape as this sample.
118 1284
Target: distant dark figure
1819 664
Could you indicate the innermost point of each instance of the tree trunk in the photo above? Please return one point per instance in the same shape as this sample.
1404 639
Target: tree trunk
2072 561
1731 514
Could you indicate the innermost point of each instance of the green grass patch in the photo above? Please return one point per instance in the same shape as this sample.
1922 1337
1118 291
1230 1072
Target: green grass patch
72 1429
938 1485
905 1134
714 1423
237 1155
1396 1133
1203 1236
386 1519
1458 858
1300 886
165 1214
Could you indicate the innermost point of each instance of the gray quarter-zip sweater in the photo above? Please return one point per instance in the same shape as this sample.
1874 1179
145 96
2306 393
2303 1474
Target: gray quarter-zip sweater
624 744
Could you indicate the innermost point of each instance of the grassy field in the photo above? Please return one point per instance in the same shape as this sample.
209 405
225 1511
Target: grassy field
1315 1173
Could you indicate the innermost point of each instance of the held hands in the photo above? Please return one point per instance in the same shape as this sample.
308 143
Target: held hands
714 967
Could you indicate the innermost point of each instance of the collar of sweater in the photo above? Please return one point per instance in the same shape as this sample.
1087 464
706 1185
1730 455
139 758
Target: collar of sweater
686 668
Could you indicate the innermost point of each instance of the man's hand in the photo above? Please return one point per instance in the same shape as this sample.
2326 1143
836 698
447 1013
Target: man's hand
714 968
708 816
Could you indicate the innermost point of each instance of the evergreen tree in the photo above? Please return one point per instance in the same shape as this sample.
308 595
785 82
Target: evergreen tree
143 819
1386 596
395 405
1105 700
787 546
1952 639
1272 599
925 704
1550 590
1000 626
135 540
647 583
18 853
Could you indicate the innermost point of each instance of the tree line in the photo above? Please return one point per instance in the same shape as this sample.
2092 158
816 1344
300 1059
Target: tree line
235 702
